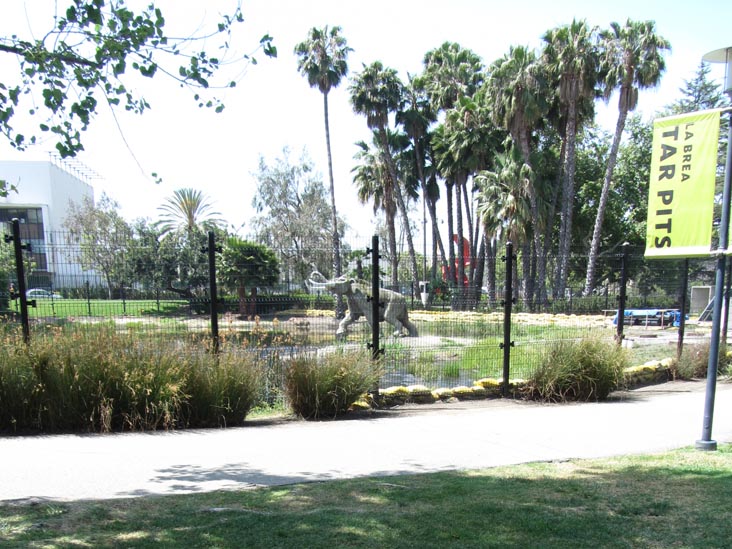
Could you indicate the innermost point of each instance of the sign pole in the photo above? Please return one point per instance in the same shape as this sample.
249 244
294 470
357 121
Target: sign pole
706 442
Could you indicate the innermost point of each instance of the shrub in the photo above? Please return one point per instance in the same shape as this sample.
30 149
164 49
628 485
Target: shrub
327 385
584 370
221 390
104 381
694 361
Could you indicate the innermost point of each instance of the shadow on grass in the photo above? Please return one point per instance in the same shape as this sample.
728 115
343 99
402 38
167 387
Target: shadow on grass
676 499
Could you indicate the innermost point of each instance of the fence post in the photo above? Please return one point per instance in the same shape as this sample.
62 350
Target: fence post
211 249
682 316
725 318
507 306
621 298
375 304
20 273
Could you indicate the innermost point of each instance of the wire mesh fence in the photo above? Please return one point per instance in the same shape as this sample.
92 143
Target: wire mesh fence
157 290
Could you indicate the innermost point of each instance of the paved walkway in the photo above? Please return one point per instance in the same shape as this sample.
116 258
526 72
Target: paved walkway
415 439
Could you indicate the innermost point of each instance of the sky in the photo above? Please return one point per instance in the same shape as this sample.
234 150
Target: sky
273 107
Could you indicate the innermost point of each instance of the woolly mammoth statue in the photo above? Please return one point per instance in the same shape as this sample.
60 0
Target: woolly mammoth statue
356 293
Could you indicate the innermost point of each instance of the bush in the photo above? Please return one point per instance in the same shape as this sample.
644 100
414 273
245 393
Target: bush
694 361
104 381
327 385
585 370
221 390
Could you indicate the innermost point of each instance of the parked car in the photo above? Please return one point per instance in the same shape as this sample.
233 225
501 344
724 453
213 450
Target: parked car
40 293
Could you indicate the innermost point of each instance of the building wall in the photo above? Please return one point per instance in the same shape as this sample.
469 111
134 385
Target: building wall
45 185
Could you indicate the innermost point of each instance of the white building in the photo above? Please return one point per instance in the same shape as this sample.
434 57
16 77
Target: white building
44 191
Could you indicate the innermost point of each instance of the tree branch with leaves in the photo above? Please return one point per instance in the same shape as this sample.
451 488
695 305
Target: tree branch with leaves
89 57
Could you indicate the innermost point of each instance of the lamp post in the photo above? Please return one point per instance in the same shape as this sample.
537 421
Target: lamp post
723 55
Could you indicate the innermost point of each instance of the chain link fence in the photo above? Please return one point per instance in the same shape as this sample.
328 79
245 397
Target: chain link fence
497 323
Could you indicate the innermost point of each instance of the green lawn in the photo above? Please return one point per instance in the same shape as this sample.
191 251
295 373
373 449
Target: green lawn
63 308
679 499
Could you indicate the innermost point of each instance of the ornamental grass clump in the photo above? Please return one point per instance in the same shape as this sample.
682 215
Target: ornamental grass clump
97 381
584 370
325 386
220 389
101 381
694 361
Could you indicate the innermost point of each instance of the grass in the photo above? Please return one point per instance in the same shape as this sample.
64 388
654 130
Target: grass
64 308
679 498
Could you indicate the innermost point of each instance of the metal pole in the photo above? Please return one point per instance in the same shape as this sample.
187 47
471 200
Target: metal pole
20 273
725 317
375 304
682 317
375 297
212 291
706 442
507 305
621 300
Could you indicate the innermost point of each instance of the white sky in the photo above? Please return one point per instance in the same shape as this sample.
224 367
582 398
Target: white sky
273 106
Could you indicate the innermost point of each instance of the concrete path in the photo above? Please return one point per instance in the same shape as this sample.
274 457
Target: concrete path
415 439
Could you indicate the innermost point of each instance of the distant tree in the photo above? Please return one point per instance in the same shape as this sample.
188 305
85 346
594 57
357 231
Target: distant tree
375 93
7 265
322 58
451 73
188 209
698 93
247 265
517 92
103 237
294 218
570 54
504 204
374 183
631 59
86 59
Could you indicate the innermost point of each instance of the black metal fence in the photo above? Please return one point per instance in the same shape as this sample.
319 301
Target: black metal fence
495 327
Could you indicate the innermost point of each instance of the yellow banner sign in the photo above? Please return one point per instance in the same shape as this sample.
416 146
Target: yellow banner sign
681 190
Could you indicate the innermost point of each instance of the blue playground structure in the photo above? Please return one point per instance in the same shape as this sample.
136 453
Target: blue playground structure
651 317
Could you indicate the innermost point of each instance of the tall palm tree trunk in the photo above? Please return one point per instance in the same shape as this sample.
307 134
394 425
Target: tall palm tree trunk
491 272
533 200
565 233
334 212
436 239
450 231
460 248
390 212
337 267
479 273
401 205
602 205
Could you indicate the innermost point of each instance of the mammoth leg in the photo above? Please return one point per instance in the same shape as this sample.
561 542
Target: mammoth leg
349 319
391 317
411 328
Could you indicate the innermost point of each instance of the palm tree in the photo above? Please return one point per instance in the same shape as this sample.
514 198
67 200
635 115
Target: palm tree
415 116
188 209
451 73
374 183
571 55
515 89
322 59
470 140
375 92
631 60
504 206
